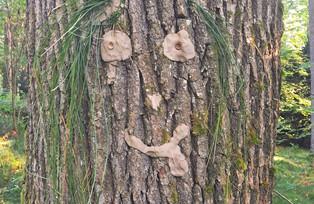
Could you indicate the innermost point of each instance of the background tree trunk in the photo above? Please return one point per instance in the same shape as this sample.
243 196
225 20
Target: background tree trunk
10 75
6 67
231 144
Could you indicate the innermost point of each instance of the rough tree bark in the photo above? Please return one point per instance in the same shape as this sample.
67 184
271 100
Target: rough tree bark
237 168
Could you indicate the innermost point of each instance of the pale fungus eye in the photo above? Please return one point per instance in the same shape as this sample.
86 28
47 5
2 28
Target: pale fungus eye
116 46
110 45
174 49
178 46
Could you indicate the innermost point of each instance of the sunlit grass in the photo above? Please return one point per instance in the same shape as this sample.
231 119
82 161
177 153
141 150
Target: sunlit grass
11 171
294 169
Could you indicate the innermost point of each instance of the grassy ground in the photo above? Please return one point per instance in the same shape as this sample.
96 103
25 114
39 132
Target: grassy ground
11 170
294 169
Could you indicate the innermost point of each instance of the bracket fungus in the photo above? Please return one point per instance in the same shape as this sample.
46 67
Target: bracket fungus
115 46
178 46
171 150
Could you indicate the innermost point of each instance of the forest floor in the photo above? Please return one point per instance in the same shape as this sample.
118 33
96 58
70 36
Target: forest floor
294 170
12 161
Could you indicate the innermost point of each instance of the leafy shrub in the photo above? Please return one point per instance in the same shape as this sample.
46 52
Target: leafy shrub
6 111
294 121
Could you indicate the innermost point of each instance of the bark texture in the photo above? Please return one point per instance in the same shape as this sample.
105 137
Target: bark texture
235 167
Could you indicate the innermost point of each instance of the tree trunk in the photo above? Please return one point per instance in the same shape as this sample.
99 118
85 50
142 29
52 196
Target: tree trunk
8 45
10 76
230 146
6 66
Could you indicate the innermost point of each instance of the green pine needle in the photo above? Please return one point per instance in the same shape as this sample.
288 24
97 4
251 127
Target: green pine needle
72 60
226 61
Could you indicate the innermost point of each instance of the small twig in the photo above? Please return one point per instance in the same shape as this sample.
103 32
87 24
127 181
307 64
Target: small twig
283 197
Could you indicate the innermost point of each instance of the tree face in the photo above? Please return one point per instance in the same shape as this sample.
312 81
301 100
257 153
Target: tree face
82 108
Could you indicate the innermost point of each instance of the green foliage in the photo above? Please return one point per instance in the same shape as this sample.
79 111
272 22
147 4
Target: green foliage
294 171
13 12
6 111
12 158
295 109
296 21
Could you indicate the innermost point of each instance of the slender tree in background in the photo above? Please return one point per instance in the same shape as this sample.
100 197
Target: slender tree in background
311 30
7 48
13 55
10 77
81 108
